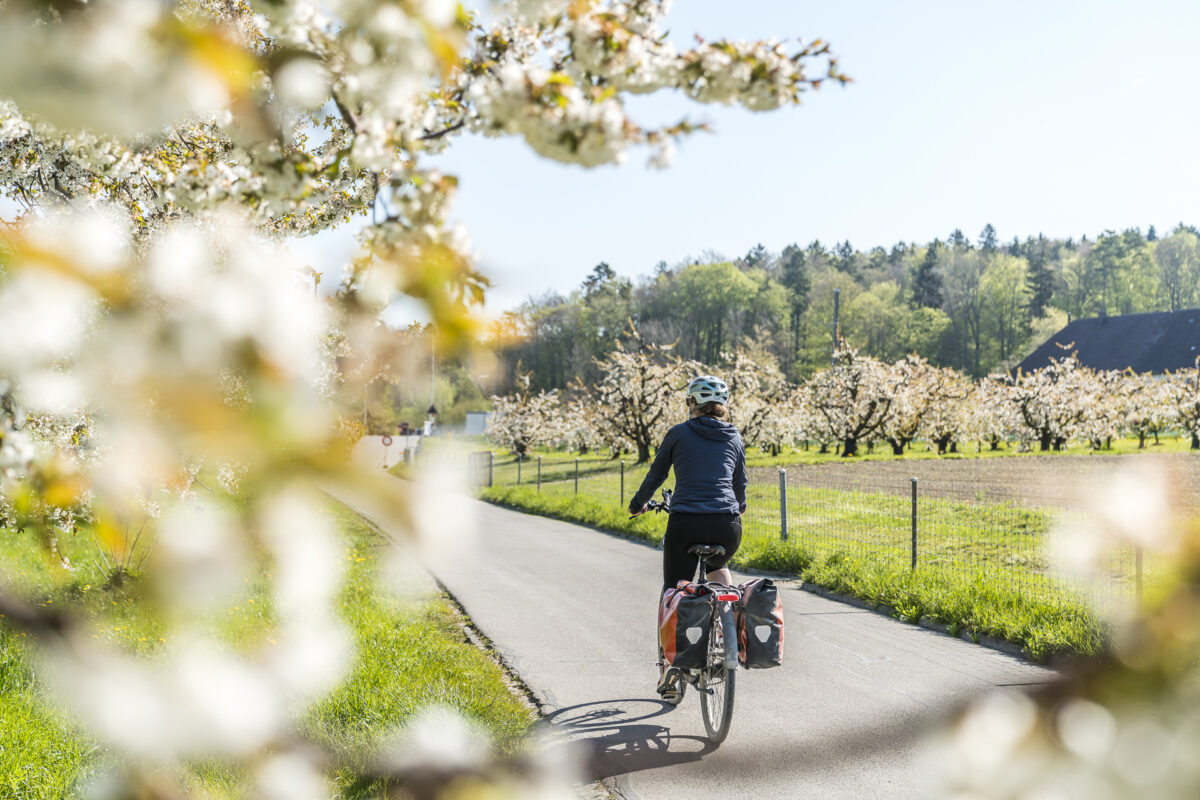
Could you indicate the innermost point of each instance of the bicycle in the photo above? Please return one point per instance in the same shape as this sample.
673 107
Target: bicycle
716 680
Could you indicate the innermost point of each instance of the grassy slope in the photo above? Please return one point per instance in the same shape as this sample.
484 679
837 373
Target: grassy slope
965 604
410 655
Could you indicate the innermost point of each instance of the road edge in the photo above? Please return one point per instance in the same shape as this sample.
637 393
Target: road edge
541 703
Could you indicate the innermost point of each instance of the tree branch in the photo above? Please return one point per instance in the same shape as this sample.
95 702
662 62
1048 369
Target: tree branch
444 132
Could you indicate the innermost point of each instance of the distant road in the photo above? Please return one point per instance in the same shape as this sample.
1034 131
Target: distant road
572 610
371 450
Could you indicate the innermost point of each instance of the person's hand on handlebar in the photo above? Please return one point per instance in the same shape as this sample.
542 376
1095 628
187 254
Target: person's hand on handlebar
638 512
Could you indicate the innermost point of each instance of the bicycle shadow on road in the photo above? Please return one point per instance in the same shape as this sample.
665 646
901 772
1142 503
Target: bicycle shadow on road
617 737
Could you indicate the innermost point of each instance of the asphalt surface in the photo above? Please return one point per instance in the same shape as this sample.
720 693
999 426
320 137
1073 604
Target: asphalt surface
371 450
572 610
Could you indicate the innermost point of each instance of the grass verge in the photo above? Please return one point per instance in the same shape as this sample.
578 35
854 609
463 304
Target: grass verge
1043 629
411 654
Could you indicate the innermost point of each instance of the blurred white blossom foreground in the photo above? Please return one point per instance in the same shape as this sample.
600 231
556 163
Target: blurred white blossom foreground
171 383
1128 724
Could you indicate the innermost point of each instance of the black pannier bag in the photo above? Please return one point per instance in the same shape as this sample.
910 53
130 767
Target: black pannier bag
760 625
684 620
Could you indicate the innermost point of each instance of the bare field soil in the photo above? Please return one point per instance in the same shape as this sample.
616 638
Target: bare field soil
1060 481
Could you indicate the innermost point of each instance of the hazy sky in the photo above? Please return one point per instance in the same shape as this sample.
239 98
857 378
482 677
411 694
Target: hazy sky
1051 116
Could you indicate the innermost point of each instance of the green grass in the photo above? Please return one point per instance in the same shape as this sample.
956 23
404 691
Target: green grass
996 597
411 654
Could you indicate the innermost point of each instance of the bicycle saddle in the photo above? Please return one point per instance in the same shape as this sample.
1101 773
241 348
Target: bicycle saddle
706 550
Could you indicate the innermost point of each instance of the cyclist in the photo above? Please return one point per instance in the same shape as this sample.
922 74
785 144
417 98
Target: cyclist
709 460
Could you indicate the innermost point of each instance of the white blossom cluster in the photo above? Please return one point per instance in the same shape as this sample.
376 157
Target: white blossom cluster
1125 725
524 420
764 406
864 400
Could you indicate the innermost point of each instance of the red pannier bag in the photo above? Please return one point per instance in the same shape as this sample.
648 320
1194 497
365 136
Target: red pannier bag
684 620
760 625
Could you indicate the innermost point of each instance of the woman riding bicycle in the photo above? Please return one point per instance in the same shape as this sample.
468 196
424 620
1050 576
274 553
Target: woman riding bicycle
709 460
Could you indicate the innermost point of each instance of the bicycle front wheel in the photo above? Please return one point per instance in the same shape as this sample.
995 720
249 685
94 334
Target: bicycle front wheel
716 687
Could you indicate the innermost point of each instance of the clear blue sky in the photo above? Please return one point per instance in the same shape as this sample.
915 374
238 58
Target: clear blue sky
1060 116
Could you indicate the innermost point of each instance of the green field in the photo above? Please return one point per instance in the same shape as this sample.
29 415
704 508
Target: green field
410 655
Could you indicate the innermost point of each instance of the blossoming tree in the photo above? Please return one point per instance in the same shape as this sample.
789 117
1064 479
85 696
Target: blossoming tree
522 420
640 392
1049 403
854 398
1183 389
763 404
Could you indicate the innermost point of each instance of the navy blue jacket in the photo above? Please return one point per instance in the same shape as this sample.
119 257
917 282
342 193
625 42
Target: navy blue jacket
710 468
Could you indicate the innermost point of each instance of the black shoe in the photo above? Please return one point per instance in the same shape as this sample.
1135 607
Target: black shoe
670 687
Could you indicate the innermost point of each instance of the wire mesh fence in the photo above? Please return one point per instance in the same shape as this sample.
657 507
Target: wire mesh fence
971 529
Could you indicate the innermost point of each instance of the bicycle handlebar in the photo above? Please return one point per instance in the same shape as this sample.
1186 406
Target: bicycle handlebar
652 505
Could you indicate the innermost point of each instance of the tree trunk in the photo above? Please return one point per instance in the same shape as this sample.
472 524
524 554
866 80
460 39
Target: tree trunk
897 447
1195 442
994 445
954 447
1044 441
1141 440
849 447
643 452
824 448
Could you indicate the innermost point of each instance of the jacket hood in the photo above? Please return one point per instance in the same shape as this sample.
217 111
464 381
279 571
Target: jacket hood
712 428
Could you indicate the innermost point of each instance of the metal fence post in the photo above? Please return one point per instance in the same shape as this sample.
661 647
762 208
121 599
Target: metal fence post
622 481
491 465
539 473
576 476
783 533
914 523
518 469
1138 554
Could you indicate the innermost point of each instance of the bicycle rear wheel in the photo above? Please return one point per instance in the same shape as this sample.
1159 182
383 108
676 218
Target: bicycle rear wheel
716 687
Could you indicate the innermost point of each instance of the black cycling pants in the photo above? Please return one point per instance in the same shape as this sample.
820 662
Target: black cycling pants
685 530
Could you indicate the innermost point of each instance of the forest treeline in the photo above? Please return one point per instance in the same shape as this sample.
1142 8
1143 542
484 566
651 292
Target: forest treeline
974 305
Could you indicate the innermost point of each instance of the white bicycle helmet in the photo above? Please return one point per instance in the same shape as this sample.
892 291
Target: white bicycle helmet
707 389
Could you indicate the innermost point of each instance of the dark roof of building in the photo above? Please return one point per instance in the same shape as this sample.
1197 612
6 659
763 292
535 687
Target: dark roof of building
1154 342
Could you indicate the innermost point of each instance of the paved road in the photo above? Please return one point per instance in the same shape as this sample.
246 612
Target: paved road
572 610
371 450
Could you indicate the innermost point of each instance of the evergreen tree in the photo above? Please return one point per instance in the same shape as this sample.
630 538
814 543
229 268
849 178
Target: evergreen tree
1041 280
845 259
927 283
793 275
1014 249
600 276
756 257
1152 234
877 258
988 242
958 240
